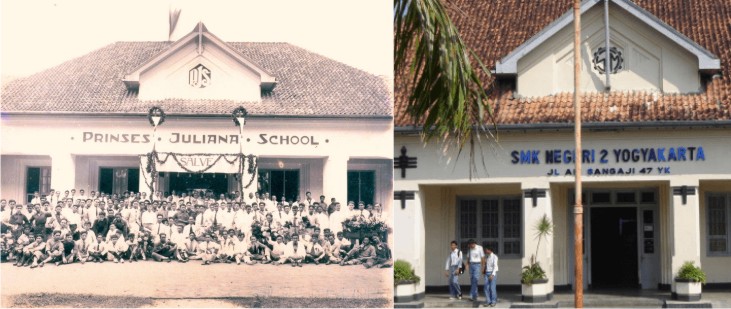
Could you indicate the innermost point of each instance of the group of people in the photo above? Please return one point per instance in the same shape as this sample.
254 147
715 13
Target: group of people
69 227
480 262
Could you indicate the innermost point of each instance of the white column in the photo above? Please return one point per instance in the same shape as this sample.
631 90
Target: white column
684 225
335 179
531 216
63 171
410 240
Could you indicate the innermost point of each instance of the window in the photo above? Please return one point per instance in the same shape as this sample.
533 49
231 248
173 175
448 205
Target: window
361 186
718 209
37 179
119 180
280 183
494 222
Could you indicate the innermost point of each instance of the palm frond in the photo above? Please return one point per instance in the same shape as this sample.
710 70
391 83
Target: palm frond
446 93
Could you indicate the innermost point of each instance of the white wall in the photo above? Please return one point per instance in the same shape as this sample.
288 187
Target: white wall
229 80
651 61
429 222
716 267
13 174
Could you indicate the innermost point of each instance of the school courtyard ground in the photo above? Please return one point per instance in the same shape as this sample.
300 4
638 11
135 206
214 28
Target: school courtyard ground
153 284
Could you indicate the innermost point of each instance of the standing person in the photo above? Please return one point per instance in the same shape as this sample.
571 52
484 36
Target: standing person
475 260
490 270
451 271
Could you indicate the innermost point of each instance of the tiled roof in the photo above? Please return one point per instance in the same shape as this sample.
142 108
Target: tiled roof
307 85
495 28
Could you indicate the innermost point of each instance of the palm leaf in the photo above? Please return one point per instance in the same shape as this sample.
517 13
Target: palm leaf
446 93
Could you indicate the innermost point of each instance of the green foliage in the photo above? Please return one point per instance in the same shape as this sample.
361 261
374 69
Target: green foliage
532 272
691 272
445 88
404 273
544 228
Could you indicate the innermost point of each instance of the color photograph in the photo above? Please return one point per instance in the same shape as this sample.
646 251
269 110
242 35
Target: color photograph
562 153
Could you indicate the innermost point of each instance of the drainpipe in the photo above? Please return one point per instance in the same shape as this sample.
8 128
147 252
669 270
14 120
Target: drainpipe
607 54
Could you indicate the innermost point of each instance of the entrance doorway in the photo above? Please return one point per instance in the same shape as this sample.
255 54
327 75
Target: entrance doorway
217 183
614 247
280 183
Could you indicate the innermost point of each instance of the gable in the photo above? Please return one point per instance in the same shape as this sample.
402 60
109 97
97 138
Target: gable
655 58
200 66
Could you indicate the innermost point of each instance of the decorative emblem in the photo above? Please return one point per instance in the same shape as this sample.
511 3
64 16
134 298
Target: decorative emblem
616 62
199 77
239 116
156 116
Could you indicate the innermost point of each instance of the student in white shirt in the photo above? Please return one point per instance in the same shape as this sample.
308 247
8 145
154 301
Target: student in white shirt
98 250
82 247
240 247
490 269
296 252
279 250
475 260
451 271
117 247
209 250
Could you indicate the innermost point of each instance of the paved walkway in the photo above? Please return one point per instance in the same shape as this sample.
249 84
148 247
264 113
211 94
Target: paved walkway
592 299
192 280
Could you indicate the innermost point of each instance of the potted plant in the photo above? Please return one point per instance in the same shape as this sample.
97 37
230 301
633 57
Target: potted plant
688 282
533 279
405 282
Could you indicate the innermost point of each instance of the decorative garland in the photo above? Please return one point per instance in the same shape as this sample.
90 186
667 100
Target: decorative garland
156 111
153 159
253 164
239 112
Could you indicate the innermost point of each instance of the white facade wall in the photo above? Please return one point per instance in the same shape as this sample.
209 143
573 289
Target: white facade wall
651 61
76 146
430 220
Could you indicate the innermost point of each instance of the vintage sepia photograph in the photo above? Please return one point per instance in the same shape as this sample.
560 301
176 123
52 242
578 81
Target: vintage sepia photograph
196 154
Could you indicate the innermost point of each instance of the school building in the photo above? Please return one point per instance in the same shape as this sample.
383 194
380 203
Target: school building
656 140
313 124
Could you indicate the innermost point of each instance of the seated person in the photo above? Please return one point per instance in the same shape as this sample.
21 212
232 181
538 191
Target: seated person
33 251
315 251
208 249
135 249
20 242
82 247
164 250
54 249
360 254
98 250
279 250
191 247
383 254
69 252
117 248
296 251
256 252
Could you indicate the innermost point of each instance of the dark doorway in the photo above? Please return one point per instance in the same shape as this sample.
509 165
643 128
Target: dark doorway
614 247
280 183
118 180
187 182
361 186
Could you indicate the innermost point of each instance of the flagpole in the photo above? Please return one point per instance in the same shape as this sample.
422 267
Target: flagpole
578 210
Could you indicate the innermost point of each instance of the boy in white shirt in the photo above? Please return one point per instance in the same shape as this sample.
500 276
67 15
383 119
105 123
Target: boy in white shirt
98 250
117 248
296 252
